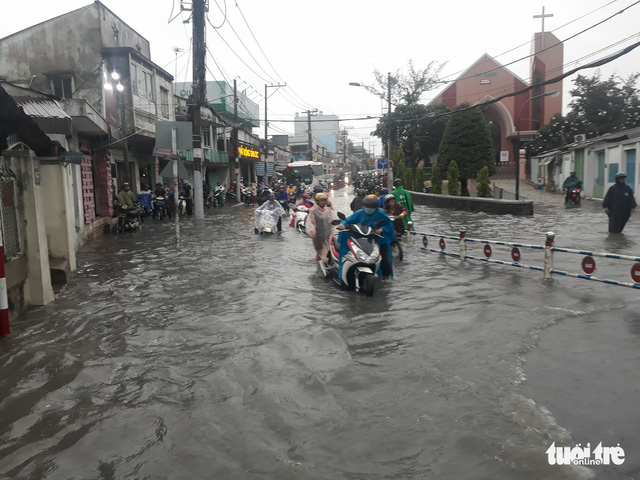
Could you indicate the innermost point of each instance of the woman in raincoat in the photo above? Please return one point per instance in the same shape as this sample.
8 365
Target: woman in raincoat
269 212
318 225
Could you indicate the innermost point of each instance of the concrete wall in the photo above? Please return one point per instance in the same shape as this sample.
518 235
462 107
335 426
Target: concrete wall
474 204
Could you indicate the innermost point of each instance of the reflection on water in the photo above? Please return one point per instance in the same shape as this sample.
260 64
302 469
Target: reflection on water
230 357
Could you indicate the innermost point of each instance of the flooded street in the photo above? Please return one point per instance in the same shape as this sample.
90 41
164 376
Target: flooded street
232 358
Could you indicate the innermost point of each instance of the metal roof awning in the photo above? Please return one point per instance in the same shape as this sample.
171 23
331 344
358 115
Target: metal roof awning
545 161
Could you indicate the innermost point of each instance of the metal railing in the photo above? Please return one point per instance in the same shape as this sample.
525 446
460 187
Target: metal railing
588 263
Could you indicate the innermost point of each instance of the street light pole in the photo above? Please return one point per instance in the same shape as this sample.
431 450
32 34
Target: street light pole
553 93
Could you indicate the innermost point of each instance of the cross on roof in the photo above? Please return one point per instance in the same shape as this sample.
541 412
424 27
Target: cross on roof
543 16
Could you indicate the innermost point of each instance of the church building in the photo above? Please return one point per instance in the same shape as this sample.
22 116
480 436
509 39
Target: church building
521 114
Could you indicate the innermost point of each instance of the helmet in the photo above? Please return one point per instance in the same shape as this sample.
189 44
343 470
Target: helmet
306 196
362 192
388 198
271 196
621 175
370 201
384 191
321 196
572 172
126 184
397 182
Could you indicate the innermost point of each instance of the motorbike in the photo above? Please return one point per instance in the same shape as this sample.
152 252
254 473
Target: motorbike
573 198
159 208
182 205
267 222
360 264
216 200
231 194
129 218
245 195
292 198
396 247
301 218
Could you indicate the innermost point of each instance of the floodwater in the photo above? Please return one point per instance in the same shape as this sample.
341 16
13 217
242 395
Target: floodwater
231 358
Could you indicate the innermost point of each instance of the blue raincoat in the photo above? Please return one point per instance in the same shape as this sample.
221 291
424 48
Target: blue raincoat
378 219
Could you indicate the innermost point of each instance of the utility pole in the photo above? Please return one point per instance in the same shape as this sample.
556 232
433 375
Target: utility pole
199 97
344 147
236 161
389 146
310 139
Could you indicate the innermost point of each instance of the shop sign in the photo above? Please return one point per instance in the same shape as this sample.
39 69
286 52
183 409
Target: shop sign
248 152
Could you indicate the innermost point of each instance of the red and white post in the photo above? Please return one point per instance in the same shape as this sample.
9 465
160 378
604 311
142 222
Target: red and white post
4 303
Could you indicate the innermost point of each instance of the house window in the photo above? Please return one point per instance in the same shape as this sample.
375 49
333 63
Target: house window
164 102
62 85
206 137
142 82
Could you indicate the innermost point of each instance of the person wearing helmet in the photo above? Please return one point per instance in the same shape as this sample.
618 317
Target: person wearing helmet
619 203
356 203
271 207
383 193
126 196
571 182
283 197
306 202
404 199
370 214
291 190
398 211
318 225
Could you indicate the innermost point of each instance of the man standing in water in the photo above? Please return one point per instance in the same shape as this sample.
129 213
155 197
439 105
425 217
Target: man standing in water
403 199
619 203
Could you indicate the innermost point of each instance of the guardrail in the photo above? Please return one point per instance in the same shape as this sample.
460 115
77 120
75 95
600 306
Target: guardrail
588 263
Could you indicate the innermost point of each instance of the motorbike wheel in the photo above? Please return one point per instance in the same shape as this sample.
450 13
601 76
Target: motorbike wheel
120 225
400 252
367 284
300 228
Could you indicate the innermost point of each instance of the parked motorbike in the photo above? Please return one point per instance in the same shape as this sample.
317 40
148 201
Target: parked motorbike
129 218
182 205
216 199
573 198
231 194
396 247
301 218
360 264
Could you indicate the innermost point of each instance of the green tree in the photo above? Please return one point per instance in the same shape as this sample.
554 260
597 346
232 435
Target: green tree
420 178
436 180
483 183
558 132
453 187
467 141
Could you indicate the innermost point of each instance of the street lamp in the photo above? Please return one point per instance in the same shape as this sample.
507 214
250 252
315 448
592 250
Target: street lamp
553 93
389 79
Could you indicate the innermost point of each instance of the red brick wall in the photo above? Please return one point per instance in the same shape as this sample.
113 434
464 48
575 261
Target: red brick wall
87 190
103 183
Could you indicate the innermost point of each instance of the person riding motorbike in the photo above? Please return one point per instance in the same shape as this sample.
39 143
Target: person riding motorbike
126 196
318 225
283 197
356 203
403 198
162 193
376 218
398 211
570 183
272 206
263 195
291 189
383 194
306 202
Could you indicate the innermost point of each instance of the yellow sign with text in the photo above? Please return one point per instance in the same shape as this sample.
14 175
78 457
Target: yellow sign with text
248 152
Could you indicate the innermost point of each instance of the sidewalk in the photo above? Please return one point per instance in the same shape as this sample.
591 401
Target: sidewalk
528 192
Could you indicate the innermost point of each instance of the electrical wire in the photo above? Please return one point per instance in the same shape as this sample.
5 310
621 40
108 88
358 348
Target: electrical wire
224 13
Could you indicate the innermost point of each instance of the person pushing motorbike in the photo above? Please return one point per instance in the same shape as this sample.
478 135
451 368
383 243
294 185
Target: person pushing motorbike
571 182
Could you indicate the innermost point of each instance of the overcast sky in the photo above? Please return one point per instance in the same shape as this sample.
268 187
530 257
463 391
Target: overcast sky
318 47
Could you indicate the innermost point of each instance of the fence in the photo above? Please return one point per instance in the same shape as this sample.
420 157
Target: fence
588 263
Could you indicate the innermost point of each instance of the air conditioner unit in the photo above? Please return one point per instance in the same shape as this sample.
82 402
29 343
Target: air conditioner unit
579 138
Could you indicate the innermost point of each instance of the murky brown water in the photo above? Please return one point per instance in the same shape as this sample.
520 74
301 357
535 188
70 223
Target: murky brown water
231 358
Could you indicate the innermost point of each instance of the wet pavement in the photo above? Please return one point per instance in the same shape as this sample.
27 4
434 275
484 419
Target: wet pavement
231 358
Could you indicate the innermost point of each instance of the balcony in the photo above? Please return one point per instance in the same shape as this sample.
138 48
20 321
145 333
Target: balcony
210 156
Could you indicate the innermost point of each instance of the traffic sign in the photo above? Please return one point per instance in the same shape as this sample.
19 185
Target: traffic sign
487 251
442 244
515 254
589 265
635 272
425 242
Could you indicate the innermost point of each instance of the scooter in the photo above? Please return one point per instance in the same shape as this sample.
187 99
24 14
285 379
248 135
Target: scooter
574 197
159 208
360 264
182 205
217 196
129 218
396 247
301 218
267 223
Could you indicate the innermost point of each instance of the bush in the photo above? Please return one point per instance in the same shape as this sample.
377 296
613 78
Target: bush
453 187
483 183
436 180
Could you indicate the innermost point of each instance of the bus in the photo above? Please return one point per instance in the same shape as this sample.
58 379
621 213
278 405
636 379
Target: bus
305 171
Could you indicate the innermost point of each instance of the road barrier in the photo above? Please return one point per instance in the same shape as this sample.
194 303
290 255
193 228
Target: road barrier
588 263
